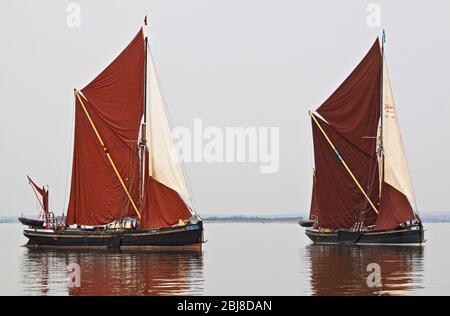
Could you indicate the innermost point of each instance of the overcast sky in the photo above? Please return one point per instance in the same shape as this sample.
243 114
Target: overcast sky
230 63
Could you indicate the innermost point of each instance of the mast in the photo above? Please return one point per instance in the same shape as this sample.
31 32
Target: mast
143 143
381 140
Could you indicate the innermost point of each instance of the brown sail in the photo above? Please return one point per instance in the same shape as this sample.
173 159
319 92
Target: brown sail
114 102
340 202
353 109
42 192
394 209
162 206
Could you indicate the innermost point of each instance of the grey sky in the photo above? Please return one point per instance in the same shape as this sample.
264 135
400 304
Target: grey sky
230 63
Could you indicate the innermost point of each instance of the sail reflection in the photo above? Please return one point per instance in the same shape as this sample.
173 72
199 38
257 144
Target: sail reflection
342 270
108 273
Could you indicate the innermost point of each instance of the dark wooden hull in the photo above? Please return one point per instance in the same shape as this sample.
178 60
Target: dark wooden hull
306 223
189 237
405 236
31 222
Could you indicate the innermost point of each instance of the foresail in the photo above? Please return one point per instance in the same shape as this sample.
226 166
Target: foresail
164 165
162 206
396 169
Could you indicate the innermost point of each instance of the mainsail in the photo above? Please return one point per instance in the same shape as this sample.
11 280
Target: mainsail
108 182
350 189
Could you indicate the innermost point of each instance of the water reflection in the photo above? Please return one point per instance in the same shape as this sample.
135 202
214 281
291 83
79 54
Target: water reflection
108 273
341 270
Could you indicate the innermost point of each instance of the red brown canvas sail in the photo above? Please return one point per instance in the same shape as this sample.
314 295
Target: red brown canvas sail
43 192
340 202
394 209
162 206
114 101
354 108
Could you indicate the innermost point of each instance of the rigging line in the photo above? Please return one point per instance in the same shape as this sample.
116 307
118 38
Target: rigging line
108 155
169 121
343 162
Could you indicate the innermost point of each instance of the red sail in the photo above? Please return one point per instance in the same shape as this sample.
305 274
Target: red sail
394 209
354 108
162 206
314 209
43 192
114 101
340 202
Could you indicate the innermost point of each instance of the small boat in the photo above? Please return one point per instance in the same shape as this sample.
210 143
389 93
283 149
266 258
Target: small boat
31 222
361 188
46 217
128 187
306 223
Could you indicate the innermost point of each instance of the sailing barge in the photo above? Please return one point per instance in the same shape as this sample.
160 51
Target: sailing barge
128 189
362 192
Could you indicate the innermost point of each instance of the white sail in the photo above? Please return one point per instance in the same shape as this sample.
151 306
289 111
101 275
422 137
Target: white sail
396 169
164 164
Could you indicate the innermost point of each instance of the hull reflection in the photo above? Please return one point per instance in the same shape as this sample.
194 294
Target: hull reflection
114 273
342 270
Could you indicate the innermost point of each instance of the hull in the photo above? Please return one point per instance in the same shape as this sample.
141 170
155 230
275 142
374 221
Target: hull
189 237
406 236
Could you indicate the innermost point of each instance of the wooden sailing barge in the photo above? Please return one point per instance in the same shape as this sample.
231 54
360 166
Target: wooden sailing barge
362 192
128 189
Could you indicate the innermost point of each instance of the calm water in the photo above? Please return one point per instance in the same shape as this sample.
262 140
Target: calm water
238 259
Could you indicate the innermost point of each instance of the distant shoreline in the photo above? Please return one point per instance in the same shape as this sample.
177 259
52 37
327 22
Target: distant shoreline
427 218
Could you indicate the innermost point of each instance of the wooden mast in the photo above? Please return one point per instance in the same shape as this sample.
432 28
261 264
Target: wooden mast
343 162
108 155
143 142
380 136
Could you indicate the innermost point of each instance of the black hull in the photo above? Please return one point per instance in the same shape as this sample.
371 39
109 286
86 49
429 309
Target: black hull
406 236
189 237
306 223
31 222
